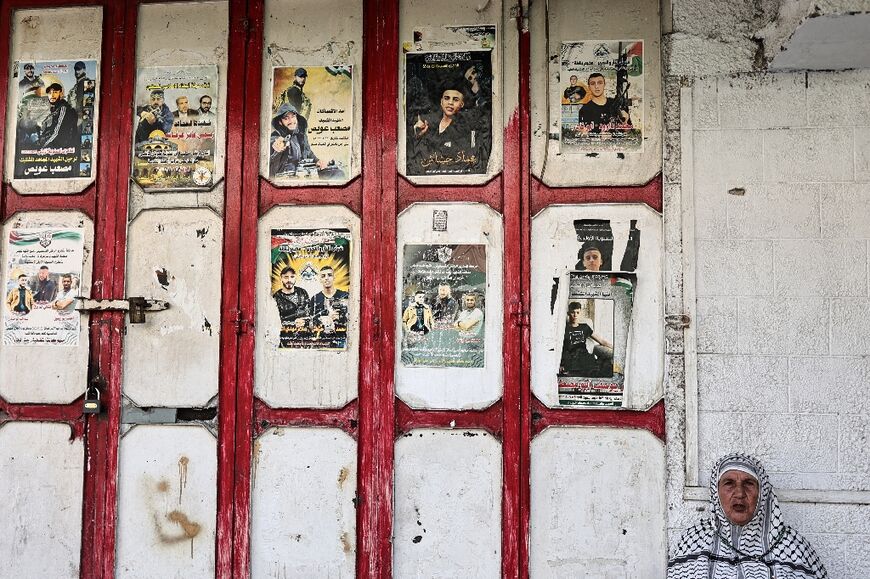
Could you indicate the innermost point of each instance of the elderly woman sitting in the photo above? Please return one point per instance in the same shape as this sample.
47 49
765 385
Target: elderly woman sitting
746 537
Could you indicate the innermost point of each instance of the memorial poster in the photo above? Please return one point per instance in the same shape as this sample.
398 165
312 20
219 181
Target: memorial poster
448 112
443 306
43 278
55 119
595 338
601 93
310 283
311 123
174 127
607 245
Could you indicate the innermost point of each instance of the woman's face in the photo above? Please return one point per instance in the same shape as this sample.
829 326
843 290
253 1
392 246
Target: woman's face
451 102
738 495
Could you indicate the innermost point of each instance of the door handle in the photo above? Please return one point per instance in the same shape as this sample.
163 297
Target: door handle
134 306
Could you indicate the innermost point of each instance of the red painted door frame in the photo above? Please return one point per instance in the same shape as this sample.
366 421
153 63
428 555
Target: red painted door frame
376 418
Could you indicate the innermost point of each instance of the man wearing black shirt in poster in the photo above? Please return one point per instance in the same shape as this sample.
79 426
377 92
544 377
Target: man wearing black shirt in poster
576 358
601 113
292 301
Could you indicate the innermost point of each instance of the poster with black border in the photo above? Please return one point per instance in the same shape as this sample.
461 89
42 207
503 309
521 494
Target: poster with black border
54 130
310 284
43 278
310 123
175 125
601 92
593 348
448 112
443 306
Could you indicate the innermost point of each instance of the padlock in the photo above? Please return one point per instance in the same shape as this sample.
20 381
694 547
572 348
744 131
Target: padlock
92 401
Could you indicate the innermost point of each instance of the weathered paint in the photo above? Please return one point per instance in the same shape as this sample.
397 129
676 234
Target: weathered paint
61 374
295 35
429 18
448 504
554 252
175 34
41 471
49 34
172 359
303 518
455 388
167 480
598 504
560 21
305 378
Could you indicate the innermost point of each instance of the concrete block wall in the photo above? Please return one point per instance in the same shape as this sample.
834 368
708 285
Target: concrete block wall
779 171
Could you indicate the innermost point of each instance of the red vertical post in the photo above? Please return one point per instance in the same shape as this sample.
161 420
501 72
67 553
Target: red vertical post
110 232
240 267
516 327
376 385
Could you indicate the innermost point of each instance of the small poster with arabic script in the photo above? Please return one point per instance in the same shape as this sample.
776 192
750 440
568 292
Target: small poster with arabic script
43 278
602 96
310 283
448 112
595 338
311 123
443 307
175 125
55 128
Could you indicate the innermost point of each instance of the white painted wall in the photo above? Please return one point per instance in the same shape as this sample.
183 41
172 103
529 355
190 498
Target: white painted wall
174 34
167 502
447 517
61 375
312 33
172 359
459 388
303 518
598 504
560 21
430 18
780 275
41 471
53 34
297 377
554 253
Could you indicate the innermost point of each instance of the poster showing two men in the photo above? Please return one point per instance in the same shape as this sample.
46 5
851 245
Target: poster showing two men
311 124
448 112
310 283
443 306
602 96
175 125
55 119
43 278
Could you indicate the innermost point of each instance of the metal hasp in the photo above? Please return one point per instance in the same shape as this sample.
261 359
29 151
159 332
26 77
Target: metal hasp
135 307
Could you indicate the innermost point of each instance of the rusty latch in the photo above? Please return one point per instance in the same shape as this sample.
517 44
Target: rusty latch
135 307
678 321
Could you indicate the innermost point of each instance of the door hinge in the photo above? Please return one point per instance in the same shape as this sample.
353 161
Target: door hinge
241 325
134 306
678 321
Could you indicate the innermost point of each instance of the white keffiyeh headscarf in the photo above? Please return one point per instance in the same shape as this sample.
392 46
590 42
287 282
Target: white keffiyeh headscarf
764 548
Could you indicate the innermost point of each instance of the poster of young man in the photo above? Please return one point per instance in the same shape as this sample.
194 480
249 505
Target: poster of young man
448 110
311 123
310 283
443 306
56 103
602 96
174 127
593 349
43 277
607 245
